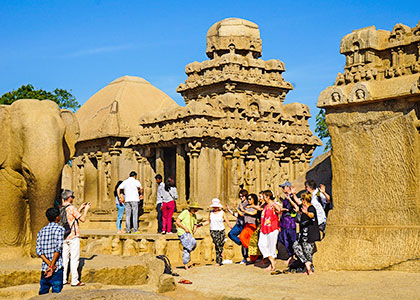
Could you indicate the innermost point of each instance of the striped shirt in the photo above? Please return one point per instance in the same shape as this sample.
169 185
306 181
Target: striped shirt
50 240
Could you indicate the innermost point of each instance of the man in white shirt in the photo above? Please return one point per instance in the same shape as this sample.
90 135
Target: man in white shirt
132 191
159 200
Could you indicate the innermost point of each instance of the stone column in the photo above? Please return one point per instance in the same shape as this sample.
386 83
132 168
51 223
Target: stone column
180 174
160 164
101 195
227 150
149 186
235 176
261 153
251 174
115 165
194 149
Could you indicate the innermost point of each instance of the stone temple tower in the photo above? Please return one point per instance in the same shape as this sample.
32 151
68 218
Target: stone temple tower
234 132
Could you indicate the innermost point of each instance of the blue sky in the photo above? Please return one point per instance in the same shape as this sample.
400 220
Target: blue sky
84 45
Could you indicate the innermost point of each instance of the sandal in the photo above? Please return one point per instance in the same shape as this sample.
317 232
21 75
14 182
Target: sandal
185 281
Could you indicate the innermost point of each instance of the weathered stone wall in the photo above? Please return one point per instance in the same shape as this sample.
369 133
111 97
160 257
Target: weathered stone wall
375 158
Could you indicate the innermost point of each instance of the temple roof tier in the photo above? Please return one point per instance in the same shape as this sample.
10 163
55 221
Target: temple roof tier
380 65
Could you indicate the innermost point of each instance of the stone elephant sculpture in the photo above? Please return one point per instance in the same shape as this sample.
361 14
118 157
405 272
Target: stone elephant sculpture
36 140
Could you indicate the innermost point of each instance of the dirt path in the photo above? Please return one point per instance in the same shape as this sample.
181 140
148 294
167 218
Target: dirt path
248 282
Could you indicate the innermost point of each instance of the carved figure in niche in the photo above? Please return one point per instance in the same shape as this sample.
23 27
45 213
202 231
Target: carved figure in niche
348 76
368 74
360 94
250 175
235 179
271 180
130 247
80 187
357 76
339 79
254 111
415 68
335 96
284 174
107 172
160 246
116 246
357 57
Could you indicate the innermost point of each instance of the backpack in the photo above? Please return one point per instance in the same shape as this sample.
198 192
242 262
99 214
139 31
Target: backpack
64 222
168 267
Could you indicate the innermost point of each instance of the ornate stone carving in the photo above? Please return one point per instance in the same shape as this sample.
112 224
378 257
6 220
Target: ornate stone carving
360 92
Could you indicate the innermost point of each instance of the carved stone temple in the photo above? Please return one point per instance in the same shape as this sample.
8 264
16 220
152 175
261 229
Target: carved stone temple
234 131
372 113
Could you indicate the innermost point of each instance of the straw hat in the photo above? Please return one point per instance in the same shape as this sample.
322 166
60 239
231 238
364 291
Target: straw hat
216 203
194 205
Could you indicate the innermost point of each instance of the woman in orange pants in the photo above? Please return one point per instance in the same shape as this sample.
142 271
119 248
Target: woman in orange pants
250 215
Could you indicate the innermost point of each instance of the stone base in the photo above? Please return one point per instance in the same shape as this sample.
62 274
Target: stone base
381 248
107 242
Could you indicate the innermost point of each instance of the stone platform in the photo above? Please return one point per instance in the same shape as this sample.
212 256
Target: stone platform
20 279
108 242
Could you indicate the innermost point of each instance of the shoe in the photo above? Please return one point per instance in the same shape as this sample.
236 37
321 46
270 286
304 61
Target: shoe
79 284
226 262
250 262
263 264
244 261
128 232
185 281
64 283
163 232
136 232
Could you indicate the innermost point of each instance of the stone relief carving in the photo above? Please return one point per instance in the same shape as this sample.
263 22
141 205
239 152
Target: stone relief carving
360 92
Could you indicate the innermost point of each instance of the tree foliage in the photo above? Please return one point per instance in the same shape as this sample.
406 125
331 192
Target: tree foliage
322 129
63 98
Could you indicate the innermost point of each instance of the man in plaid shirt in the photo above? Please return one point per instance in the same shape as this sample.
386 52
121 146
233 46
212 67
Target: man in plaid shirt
49 246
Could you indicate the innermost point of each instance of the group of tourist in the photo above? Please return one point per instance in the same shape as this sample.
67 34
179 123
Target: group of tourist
265 227
129 198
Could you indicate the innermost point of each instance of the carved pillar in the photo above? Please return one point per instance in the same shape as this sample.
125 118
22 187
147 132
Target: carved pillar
180 174
235 175
243 152
394 58
101 196
80 183
146 169
261 153
115 165
295 156
227 150
109 189
251 174
194 149
160 164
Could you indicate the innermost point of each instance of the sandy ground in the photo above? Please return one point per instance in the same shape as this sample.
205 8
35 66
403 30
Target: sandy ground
239 282
249 282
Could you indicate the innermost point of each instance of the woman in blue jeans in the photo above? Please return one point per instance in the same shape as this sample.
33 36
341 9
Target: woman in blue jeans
120 208
240 223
